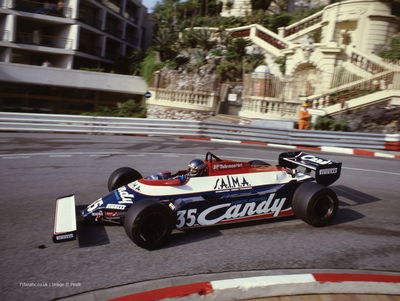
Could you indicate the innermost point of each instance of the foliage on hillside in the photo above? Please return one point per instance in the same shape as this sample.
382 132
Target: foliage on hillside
181 46
393 51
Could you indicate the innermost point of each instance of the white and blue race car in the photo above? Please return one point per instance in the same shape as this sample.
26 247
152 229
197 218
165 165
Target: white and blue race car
227 192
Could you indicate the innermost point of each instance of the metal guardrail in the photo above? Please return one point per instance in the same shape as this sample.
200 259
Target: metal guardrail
158 127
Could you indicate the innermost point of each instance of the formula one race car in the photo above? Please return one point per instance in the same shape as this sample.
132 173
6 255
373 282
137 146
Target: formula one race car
225 192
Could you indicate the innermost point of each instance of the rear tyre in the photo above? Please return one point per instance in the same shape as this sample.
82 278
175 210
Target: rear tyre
315 204
149 224
121 177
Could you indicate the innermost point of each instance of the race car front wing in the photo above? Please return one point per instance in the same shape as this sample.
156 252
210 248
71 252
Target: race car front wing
65 219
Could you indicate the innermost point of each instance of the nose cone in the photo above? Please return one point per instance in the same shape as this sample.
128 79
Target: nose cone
118 199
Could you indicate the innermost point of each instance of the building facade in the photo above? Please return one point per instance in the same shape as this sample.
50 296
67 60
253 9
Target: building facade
67 36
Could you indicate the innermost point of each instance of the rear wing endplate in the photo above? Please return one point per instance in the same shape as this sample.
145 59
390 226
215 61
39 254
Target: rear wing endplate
326 171
65 219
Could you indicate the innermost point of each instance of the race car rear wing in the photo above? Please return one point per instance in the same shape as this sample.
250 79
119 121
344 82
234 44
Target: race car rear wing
65 219
326 171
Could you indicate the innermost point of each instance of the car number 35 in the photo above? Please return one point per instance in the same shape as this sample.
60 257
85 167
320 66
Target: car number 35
186 218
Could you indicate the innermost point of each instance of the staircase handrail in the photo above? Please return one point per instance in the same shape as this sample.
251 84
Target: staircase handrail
345 92
263 33
368 62
302 24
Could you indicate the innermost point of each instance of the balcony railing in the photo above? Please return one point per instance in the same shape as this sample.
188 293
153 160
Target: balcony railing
201 101
113 31
113 6
44 40
94 22
89 49
58 10
271 108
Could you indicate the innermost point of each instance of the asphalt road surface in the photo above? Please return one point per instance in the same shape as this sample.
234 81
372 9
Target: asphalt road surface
38 168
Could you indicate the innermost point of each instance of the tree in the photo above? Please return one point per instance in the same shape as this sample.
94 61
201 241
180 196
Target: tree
204 39
164 43
129 64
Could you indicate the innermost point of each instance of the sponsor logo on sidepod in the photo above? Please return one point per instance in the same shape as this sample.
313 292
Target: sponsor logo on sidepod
190 217
229 182
126 198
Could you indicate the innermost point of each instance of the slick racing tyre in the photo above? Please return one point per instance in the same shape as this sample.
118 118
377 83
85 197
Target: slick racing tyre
315 204
149 224
121 177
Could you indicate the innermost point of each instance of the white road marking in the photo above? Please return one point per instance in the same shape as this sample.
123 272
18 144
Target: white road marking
15 157
59 154
370 170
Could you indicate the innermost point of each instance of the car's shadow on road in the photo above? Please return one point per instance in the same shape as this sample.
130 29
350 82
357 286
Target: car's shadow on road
348 199
179 237
90 234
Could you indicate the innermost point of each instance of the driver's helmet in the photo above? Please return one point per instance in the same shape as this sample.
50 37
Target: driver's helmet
197 168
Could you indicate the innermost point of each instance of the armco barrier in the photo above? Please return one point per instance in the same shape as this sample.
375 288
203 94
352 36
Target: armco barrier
157 127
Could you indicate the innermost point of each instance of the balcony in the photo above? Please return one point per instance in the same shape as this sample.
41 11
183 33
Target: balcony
43 40
113 50
131 35
114 5
60 9
90 15
132 11
90 42
113 27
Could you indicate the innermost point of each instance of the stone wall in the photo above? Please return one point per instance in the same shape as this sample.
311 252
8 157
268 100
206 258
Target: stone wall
379 118
162 112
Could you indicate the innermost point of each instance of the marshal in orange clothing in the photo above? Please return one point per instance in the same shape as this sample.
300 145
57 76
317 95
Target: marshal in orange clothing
304 118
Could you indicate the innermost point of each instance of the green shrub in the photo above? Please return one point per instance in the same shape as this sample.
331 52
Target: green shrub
129 108
329 124
149 65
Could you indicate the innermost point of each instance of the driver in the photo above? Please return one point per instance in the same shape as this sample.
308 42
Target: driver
197 168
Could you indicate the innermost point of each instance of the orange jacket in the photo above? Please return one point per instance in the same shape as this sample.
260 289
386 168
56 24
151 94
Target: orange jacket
304 115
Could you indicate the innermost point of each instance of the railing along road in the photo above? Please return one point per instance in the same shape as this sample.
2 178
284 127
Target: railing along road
22 122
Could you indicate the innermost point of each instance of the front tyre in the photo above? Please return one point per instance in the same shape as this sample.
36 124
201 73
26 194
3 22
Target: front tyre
121 177
149 224
315 204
